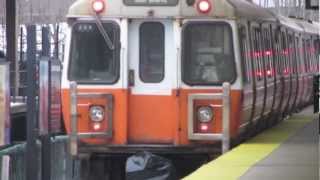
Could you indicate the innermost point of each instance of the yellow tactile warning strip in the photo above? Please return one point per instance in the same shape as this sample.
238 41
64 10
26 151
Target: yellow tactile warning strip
236 162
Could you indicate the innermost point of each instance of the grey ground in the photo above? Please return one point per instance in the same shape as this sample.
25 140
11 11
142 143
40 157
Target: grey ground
296 159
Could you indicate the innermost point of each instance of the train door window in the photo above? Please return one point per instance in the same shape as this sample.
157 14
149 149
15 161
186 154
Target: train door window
152 53
316 43
310 55
313 55
290 54
244 48
276 49
307 50
300 68
305 55
267 53
256 38
295 54
284 53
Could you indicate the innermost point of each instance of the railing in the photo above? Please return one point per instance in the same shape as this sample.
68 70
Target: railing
63 166
224 136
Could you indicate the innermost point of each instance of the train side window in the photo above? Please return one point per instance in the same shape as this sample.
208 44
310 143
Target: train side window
305 55
244 50
316 43
276 50
284 53
291 54
267 53
307 49
295 54
313 54
152 52
260 57
299 56
257 53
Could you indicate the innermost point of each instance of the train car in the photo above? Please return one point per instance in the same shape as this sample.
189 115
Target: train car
149 75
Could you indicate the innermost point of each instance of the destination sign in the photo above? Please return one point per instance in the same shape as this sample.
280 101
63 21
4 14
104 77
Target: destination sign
151 2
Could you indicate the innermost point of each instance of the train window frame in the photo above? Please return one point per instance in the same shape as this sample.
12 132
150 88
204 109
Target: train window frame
175 3
116 53
232 49
163 52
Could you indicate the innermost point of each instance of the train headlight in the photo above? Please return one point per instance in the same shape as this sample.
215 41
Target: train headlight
204 6
98 6
205 114
97 113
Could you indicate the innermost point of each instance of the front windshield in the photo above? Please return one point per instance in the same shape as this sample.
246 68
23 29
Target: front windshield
208 57
91 60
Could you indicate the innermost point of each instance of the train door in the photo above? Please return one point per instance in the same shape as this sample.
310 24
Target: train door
290 71
248 86
152 63
293 71
300 70
258 65
284 70
298 78
277 70
309 70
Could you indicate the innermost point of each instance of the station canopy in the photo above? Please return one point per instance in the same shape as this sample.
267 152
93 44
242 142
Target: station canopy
38 11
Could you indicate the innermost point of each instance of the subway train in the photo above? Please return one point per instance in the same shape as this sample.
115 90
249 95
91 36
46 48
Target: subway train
181 76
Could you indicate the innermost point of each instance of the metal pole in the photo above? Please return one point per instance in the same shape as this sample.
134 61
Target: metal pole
226 118
74 120
46 138
56 42
11 33
32 163
46 156
45 42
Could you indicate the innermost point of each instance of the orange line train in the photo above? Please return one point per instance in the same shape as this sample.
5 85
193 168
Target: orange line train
181 76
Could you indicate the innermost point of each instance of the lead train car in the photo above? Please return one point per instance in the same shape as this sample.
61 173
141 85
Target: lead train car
135 66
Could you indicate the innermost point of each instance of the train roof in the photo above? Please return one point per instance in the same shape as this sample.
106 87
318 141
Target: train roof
289 23
308 27
228 9
247 10
231 9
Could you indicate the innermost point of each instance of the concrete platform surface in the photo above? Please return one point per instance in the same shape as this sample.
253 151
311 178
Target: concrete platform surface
288 151
295 159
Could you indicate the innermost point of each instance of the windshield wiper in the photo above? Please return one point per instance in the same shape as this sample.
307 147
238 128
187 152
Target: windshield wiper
104 33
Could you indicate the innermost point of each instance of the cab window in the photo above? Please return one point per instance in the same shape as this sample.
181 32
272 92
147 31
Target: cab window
207 54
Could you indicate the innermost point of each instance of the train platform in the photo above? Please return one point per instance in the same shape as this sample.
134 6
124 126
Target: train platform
288 151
